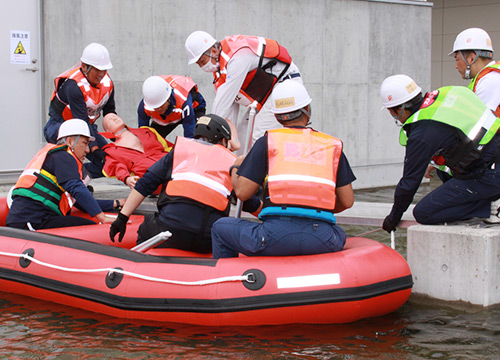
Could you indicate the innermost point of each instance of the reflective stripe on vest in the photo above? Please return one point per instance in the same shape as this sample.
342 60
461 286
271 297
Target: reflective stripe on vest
95 97
231 44
40 185
303 167
201 172
459 107
181 86
486 70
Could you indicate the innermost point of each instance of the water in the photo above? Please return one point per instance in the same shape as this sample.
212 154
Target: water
32 329
421 329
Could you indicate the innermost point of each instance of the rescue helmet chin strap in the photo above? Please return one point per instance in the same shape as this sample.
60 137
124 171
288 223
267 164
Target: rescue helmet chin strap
72 148
398 117
467 71
89 67
217 47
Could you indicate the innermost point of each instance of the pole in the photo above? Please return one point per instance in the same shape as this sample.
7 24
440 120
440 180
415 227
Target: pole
155 240
246 146
393 239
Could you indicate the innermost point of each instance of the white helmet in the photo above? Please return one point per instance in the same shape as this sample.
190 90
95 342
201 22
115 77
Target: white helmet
289 97
74 127
156 92
474 39
97 56
196 44
398 89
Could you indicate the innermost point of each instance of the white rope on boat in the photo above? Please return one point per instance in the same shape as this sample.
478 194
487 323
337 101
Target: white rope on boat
131 274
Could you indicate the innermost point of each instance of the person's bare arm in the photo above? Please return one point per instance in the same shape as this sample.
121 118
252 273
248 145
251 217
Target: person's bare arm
133 201
345 198
244 188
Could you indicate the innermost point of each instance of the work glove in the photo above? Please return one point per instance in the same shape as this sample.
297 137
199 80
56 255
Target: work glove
119 226
389 224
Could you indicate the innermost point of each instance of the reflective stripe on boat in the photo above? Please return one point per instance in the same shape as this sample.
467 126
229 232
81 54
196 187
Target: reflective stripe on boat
308 280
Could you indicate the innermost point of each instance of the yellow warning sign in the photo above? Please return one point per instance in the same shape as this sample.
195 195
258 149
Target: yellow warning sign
20 49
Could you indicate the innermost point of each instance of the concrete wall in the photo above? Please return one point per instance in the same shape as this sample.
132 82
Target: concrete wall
449 18
344 48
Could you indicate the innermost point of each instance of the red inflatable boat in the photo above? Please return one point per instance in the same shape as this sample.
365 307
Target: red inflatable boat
84 269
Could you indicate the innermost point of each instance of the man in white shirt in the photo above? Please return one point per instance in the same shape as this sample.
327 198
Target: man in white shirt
473 54
245 69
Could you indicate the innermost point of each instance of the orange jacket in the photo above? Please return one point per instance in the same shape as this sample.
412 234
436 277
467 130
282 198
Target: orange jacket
200 172
38 184
181 86
483 72
263 48
303 167
95 97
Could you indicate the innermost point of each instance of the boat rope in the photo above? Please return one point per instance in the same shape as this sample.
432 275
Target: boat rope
368 232
248 277
393 236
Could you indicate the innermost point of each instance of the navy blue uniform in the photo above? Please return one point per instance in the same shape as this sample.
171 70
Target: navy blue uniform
189 223
70 93
64 167
188 122
457 199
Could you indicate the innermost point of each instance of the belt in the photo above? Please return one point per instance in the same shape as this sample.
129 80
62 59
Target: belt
290 76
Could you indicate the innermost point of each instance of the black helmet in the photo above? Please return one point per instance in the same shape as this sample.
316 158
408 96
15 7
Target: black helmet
213 128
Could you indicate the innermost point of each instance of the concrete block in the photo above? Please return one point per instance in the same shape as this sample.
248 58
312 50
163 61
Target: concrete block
456 262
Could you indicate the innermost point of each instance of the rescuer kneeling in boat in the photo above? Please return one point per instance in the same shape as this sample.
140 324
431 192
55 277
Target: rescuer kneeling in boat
53 182
196 189
308 181
456 132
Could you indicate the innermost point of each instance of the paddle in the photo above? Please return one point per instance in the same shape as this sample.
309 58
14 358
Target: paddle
246 146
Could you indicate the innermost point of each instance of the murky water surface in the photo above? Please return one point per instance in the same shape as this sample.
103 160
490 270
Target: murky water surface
421 329
32 329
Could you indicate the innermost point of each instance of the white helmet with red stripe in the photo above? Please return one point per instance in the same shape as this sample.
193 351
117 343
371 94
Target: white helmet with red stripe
397 90
474 39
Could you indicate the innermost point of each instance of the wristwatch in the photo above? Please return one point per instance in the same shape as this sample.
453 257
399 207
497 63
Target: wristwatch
117 204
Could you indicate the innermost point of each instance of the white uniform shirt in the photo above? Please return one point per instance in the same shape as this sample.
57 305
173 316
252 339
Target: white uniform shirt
225 104
488 89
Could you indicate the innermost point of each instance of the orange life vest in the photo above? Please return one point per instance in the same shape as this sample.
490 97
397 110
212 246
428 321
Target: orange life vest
302 173
201 172
482 73
258 84
38 184
95 97
181 86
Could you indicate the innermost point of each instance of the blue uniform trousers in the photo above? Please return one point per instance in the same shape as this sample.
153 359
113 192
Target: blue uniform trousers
275 236
457 200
